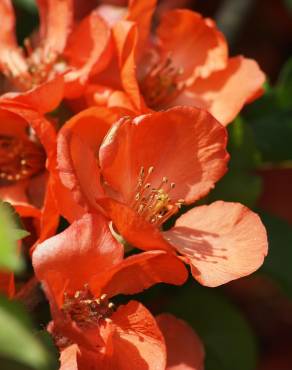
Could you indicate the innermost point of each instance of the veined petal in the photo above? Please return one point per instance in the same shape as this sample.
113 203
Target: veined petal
184 145
222 242
68 260
185 350
224 93
194 44
139 272
137 342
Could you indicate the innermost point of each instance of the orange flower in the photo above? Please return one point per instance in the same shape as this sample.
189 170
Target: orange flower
82 269
185 63
28 156
57 50
148 167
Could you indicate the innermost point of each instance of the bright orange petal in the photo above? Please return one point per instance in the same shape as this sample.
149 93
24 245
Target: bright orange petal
185 145
141 12
95 36
224 93
125 35
139 272
222 242
185 350
56 19
80 138
137 342
69 260
12 61
193 43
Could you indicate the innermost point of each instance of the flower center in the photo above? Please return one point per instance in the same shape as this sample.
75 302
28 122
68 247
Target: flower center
161 84
85 309
19 158
154 203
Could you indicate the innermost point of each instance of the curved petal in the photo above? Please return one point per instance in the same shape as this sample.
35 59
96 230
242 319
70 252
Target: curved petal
68 260
185 350
7 285
141 12
80 138
139 272
222 242
137 342
68 358
185 145
56 18
194 44
134 229
224 93
95 37
44 98
125 35
12 61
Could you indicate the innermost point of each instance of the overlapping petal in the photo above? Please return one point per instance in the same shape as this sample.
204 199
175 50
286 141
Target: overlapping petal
222 242
185 145
185 350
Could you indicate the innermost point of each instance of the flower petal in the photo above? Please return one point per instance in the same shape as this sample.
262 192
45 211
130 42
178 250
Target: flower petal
68 358
12 61
222 242
56 19
185 145
137 342
95 36
185 350
139 272
125 35
68 260
224 93
193 43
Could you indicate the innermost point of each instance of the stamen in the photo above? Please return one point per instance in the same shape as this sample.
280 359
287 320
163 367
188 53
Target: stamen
161 84
85 309
154 204
19 158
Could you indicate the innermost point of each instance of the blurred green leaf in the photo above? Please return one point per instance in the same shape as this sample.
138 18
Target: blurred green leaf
9 234
284 85
238 186
17 341
227 337
278 261
29 5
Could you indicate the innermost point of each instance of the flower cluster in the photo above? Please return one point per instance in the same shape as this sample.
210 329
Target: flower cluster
146 139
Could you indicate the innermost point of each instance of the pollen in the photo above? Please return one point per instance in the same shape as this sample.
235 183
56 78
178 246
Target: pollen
154 204
85 309
20 159
161 84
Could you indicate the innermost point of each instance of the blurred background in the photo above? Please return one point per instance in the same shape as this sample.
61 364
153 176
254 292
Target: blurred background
247 324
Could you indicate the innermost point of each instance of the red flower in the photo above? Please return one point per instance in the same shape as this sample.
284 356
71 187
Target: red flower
82 269
185 63
56 50
148 167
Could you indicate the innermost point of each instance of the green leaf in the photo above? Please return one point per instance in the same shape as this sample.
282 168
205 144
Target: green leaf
283 89
17 341
225 333
278 261
238 186
9 234
29 5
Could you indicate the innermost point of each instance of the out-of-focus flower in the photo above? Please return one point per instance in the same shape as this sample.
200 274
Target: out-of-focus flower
81 270
148 168
185 62
60 47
